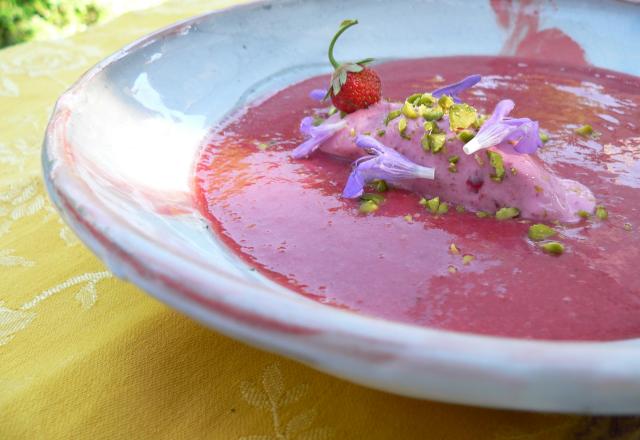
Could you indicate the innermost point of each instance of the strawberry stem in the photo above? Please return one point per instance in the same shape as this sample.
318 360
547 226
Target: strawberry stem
343 27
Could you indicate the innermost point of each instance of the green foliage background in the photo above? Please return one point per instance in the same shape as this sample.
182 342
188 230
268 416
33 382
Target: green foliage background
22 20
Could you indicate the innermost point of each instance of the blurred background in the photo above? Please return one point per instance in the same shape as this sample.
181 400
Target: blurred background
25 20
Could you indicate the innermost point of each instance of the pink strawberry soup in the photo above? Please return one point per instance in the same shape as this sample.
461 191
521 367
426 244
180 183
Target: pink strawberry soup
288 219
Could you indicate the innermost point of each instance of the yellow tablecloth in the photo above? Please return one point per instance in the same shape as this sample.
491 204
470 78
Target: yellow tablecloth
86 356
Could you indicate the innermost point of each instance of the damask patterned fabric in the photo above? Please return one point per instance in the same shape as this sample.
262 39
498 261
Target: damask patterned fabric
84 355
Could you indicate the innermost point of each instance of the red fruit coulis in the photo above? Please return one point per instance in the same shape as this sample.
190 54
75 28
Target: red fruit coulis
286 217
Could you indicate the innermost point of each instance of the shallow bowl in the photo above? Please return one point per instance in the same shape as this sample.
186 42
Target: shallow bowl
120 149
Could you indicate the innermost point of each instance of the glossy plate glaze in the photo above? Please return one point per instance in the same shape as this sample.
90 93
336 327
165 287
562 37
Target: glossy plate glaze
119 156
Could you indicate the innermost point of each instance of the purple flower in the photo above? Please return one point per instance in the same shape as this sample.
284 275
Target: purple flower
454 89
317 135
382 163
317 94
500 128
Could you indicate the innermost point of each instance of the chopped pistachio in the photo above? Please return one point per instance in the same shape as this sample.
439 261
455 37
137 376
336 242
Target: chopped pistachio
585 131
436 141
371 197
446 102
343 114
367 133
453 168
453 159
583 214
461 116
427 99
544 137
391 116
466 135
352 132
452 269
495 159
426 146
454 249
433 204
601 212
539 232
443 208
467 259
514 171
627 227
409 111
432 113
380 133
480 120
413 98
368 206
402 125
431 127
460 209
507 213
379 185
538 189
262 146
553 248
482 214
408 218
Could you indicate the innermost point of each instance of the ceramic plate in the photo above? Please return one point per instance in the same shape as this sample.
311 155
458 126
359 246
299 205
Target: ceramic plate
119 155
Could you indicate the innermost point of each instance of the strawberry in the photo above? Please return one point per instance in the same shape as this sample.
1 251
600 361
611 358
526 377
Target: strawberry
353 85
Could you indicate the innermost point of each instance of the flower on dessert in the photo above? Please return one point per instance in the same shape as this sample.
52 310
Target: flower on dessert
318 94
454 89
317 135
382 163
500 128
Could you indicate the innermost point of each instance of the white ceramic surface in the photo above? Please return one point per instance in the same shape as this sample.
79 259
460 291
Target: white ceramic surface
118 160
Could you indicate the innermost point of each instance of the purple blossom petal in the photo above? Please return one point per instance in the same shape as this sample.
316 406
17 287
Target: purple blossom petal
494 130
382 163
454 89
500 128
317 135
318 94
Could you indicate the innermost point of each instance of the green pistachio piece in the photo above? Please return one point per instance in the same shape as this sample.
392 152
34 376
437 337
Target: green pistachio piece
427 99
408 218
432 113
343 114
380 133
601 212
461 116
507 213
495 159
453 159
379 185
391 116
453 168
467 259
446 102
482 214
514 171
553 248
452 269
436 142
371 197
539 232
431 127
433 204
544 137
413 98
409 111
262 146
368 206
479 121
352 132
317 120
423 202
583 214
402 125
585 131
466 135
443 208
454 249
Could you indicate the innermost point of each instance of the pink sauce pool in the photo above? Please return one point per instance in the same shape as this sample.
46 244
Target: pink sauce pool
286 217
